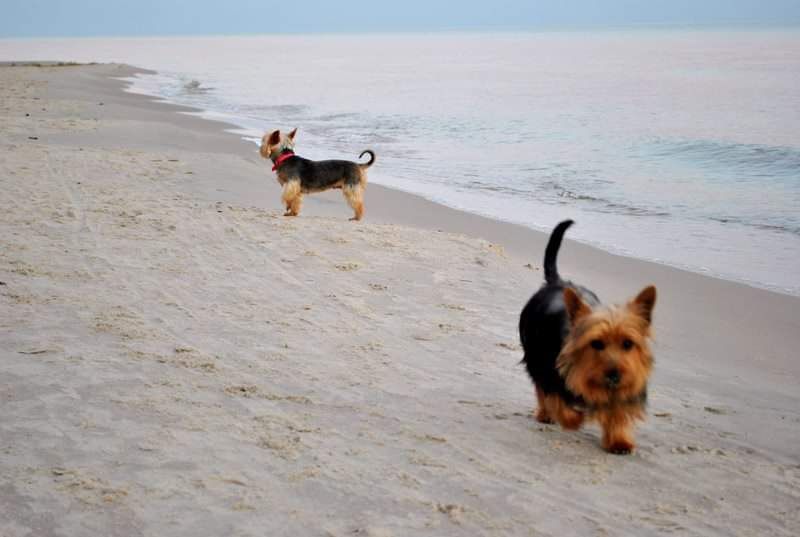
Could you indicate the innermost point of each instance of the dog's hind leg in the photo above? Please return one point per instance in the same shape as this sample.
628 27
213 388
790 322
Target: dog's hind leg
296 204
292 198
542 414
355 198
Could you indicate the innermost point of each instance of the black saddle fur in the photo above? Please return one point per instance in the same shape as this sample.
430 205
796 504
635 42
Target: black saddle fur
544 323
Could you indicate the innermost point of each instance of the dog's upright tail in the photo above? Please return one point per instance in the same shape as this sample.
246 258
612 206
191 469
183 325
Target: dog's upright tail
551 252
371 158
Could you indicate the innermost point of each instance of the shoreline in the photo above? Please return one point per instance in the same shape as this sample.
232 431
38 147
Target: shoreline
707 297
626 188
393 216
178 358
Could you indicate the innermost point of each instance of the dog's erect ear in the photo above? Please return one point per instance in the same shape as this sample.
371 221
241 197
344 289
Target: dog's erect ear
274 138
644 303
291 134
576 308
262 149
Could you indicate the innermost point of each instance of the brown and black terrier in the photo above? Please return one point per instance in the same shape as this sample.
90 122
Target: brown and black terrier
299 176
588 362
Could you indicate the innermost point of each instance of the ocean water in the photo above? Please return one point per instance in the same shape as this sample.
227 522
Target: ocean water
678 146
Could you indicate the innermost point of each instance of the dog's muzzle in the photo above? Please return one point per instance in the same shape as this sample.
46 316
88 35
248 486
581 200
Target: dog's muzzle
613 378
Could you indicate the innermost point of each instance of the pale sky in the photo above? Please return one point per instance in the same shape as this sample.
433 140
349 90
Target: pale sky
38 18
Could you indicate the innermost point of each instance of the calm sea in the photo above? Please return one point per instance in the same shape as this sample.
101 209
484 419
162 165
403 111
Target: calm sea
678 146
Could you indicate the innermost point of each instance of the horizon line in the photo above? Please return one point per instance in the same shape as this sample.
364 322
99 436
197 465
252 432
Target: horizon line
721 25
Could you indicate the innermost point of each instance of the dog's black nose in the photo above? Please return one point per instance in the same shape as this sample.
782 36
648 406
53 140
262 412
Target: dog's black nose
612 378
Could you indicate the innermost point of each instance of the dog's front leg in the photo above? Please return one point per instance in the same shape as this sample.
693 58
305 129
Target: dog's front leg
617 431
292 198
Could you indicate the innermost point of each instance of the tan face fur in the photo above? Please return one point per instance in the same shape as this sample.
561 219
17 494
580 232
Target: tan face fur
274 143
607 357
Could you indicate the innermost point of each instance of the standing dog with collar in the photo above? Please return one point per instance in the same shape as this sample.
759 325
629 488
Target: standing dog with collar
299 176
588 362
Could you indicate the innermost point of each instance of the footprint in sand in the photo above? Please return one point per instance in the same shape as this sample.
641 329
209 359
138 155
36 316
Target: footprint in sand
453 512
348 267
122 323
250 390
431 438
242 390
453 307
194 359
41 351
87 488
337 240
370 347
284 447
449 328
685 450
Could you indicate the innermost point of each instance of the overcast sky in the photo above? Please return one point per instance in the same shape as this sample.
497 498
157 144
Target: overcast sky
32 18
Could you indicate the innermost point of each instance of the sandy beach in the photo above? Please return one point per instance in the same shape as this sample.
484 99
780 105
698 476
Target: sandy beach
177 358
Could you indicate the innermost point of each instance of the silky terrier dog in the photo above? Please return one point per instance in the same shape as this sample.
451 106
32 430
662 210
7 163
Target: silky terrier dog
587 362
299 176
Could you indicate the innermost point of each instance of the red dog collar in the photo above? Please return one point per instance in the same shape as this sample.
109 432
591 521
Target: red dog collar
281 159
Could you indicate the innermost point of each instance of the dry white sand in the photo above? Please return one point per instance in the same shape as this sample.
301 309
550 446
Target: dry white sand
176 358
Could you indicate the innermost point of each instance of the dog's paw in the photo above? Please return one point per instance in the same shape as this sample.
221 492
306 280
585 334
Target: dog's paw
542 416
621 448
570 419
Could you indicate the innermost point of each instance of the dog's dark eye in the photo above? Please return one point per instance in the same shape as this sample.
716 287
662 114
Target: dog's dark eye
597 344
627 344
